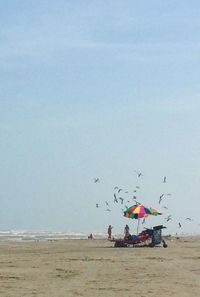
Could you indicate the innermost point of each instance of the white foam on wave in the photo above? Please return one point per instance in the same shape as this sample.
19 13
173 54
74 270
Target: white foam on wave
18 235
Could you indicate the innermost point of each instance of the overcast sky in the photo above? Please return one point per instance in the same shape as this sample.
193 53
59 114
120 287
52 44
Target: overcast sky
98 89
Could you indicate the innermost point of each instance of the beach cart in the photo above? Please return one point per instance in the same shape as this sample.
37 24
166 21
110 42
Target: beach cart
148 237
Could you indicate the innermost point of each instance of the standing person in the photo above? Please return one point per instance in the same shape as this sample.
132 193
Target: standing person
109 231
126 232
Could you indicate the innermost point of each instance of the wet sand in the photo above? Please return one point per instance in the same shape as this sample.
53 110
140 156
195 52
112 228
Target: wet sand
67 268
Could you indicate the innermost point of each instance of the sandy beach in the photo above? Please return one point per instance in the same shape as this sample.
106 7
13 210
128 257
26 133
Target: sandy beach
95 268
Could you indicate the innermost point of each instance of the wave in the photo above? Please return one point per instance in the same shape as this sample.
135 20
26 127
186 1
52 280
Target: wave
18 235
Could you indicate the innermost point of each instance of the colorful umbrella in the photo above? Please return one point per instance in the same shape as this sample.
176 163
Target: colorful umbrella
139 211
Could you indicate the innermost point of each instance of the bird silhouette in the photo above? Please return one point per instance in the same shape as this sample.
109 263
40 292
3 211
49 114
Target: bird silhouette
164 179
139 174
96 180
119 190
108 209
165 207
107 203
97 205
121 199
115 198
179 224
160 199
168 218
189 219
116 187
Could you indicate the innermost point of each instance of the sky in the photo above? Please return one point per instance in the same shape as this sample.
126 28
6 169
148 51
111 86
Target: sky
98 89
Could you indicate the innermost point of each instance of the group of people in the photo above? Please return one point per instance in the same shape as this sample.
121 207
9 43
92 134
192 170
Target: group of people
126 232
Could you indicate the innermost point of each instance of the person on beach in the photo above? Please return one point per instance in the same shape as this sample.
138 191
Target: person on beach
126 232
109 231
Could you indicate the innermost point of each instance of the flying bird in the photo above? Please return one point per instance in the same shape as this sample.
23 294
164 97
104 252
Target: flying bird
119 190
134 197
160 199
165 207
139 174
189 219
96 180
108 209
179 224
121 199
97 205
164 179
115 198
107 203
137 187
168 218
116 187
126 192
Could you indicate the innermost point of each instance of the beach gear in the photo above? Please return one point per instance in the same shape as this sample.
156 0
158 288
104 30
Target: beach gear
148 238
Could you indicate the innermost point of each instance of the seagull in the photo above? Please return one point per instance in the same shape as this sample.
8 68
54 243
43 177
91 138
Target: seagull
116 187
115 198
107 203
189 219
126 192
108 209
96 180
134 197
164 179
161 196
97 205
168 218
179 224
121 199
165 207
143 221
119 190
139 174
137 187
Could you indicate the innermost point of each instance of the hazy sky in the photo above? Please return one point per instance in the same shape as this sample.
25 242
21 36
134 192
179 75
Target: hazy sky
98 89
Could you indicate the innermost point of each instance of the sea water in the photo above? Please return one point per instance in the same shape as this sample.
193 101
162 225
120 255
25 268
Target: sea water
18 235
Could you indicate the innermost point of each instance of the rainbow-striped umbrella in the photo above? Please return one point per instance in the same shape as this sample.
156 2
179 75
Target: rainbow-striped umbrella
139 211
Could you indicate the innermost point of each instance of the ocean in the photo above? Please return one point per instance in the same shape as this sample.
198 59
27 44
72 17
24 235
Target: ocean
19 235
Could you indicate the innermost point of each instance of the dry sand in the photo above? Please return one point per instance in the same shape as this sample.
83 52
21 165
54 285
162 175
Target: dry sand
94 268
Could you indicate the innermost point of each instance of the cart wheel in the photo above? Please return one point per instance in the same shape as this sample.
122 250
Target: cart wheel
164 244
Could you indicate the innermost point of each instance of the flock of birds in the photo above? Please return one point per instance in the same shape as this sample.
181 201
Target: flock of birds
119 200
